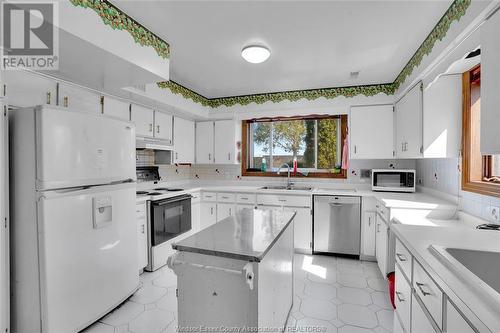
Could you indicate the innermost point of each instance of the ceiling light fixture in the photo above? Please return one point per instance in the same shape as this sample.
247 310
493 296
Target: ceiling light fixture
255 54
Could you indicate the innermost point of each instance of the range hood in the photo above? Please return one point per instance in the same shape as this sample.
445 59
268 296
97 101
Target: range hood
153 144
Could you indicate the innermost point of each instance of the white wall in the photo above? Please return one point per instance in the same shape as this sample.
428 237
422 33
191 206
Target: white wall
443 175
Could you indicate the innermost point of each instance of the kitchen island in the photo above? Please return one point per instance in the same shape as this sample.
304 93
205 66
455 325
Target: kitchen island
236 274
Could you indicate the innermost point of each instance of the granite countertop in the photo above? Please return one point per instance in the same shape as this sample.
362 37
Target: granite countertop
248 235
418 239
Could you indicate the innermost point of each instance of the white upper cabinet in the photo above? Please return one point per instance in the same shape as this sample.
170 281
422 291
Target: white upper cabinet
76 98
216 142
163 126
205 142
408 111
183 140
442 117
371 132
25 89
116 108
490 83
225 142
143 118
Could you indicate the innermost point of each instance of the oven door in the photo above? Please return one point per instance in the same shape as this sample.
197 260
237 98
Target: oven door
170 218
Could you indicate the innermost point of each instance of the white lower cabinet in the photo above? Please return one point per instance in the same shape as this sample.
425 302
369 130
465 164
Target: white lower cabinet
142 235
195 212
208 215
419 321
402 298
381 244
224 210
455 323
368 232
302 228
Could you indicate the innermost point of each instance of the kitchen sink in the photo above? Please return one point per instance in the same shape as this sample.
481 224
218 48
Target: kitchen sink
288 188
480 268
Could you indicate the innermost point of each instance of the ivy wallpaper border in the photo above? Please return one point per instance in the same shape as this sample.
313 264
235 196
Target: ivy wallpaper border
453 13
118 20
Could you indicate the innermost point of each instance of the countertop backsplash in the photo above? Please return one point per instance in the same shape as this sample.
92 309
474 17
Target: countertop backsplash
443 174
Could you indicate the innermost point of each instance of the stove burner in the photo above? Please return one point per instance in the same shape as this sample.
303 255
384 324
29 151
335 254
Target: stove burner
489 226
168 189
155 193
141 192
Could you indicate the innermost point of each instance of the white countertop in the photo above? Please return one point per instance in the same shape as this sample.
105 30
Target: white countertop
418 238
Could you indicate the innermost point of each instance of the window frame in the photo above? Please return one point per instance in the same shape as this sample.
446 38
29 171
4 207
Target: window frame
469 185
244 151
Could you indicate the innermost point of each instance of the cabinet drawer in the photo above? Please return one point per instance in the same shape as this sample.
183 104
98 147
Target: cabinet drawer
402 299
428 292
284 200
245 198
403 258
209 196
226 197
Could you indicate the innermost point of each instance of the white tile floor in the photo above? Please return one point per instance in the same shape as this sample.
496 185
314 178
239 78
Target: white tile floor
331 294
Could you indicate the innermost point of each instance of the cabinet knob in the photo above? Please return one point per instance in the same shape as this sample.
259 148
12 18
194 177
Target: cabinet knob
158 129
48 98
151 127
66 101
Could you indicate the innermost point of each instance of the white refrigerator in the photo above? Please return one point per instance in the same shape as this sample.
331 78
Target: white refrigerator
73 228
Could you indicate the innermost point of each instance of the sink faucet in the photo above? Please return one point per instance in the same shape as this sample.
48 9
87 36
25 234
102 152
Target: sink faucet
288 182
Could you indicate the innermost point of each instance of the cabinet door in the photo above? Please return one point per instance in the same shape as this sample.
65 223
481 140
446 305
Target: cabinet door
142 238
143 118
225 144
24 89
302 228
195 216
76 98
409 124
183 140
163 126
381 245
490 81
402 299
419 321
205 142
224 211
443 117
208 214
455 322
369 222
371 132
116 108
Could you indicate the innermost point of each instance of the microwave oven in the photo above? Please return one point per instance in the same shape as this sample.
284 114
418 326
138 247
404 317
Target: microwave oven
393 180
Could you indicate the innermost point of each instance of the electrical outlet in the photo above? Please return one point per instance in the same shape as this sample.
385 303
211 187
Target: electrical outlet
494 211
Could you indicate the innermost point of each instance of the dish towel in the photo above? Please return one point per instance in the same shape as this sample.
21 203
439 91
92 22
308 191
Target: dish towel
345 154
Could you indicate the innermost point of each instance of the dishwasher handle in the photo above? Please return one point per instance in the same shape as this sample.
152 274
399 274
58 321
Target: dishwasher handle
337 199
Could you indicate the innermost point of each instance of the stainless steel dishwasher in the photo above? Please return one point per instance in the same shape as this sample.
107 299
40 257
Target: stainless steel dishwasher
337 224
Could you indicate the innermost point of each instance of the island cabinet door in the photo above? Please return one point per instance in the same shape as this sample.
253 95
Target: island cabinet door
208 215
303 229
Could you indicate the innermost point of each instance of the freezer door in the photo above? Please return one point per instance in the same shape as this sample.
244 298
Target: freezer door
76 148
88 254
337 224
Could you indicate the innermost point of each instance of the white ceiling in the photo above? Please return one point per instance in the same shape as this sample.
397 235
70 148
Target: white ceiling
314 44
